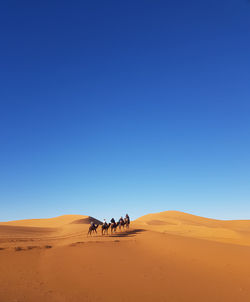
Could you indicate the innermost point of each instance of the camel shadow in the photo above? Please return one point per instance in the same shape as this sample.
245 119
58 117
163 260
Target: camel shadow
128 233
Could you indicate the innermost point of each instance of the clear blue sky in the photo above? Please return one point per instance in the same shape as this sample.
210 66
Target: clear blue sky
108 107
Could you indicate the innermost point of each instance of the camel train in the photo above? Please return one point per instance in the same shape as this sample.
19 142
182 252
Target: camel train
122 223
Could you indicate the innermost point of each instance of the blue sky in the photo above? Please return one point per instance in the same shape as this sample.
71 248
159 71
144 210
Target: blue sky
108 107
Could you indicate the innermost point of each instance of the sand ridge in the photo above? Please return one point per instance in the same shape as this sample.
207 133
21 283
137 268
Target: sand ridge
50 222
54 260
179 223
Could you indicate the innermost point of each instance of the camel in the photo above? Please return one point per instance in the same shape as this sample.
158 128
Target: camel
114 225
121 224
105 228
127 222
92 229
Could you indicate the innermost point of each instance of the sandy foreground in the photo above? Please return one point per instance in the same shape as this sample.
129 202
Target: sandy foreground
169 256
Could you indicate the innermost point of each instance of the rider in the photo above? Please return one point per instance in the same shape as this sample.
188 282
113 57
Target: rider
121 220
127 217
104 222
112 220
92 223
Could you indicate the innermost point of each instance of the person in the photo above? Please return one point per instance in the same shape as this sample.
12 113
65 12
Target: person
104 222
112 220
127 221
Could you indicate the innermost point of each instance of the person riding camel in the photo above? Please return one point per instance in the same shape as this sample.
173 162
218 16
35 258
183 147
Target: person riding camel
104 222
112 220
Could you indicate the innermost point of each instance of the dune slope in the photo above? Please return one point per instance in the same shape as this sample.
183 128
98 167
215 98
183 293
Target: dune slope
52 262
51 222
174 222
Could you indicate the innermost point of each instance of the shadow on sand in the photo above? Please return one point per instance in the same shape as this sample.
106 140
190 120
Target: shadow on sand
128 233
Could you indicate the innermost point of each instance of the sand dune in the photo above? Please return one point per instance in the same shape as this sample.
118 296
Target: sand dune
174 222
51 222
168 256
57 231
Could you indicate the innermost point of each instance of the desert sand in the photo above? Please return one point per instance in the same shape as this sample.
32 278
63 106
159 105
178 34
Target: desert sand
169 256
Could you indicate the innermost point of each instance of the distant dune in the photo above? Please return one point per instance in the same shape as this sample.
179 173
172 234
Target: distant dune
167 256
59 229
179 223
51 222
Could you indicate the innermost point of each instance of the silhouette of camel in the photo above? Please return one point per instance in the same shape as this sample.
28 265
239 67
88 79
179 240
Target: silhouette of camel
114 225
105 228
127 222
92 229
121 224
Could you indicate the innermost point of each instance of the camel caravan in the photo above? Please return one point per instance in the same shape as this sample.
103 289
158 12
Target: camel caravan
121 224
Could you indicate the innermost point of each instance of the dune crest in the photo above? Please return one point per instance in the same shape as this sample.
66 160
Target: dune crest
49 222
162 257
179 223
